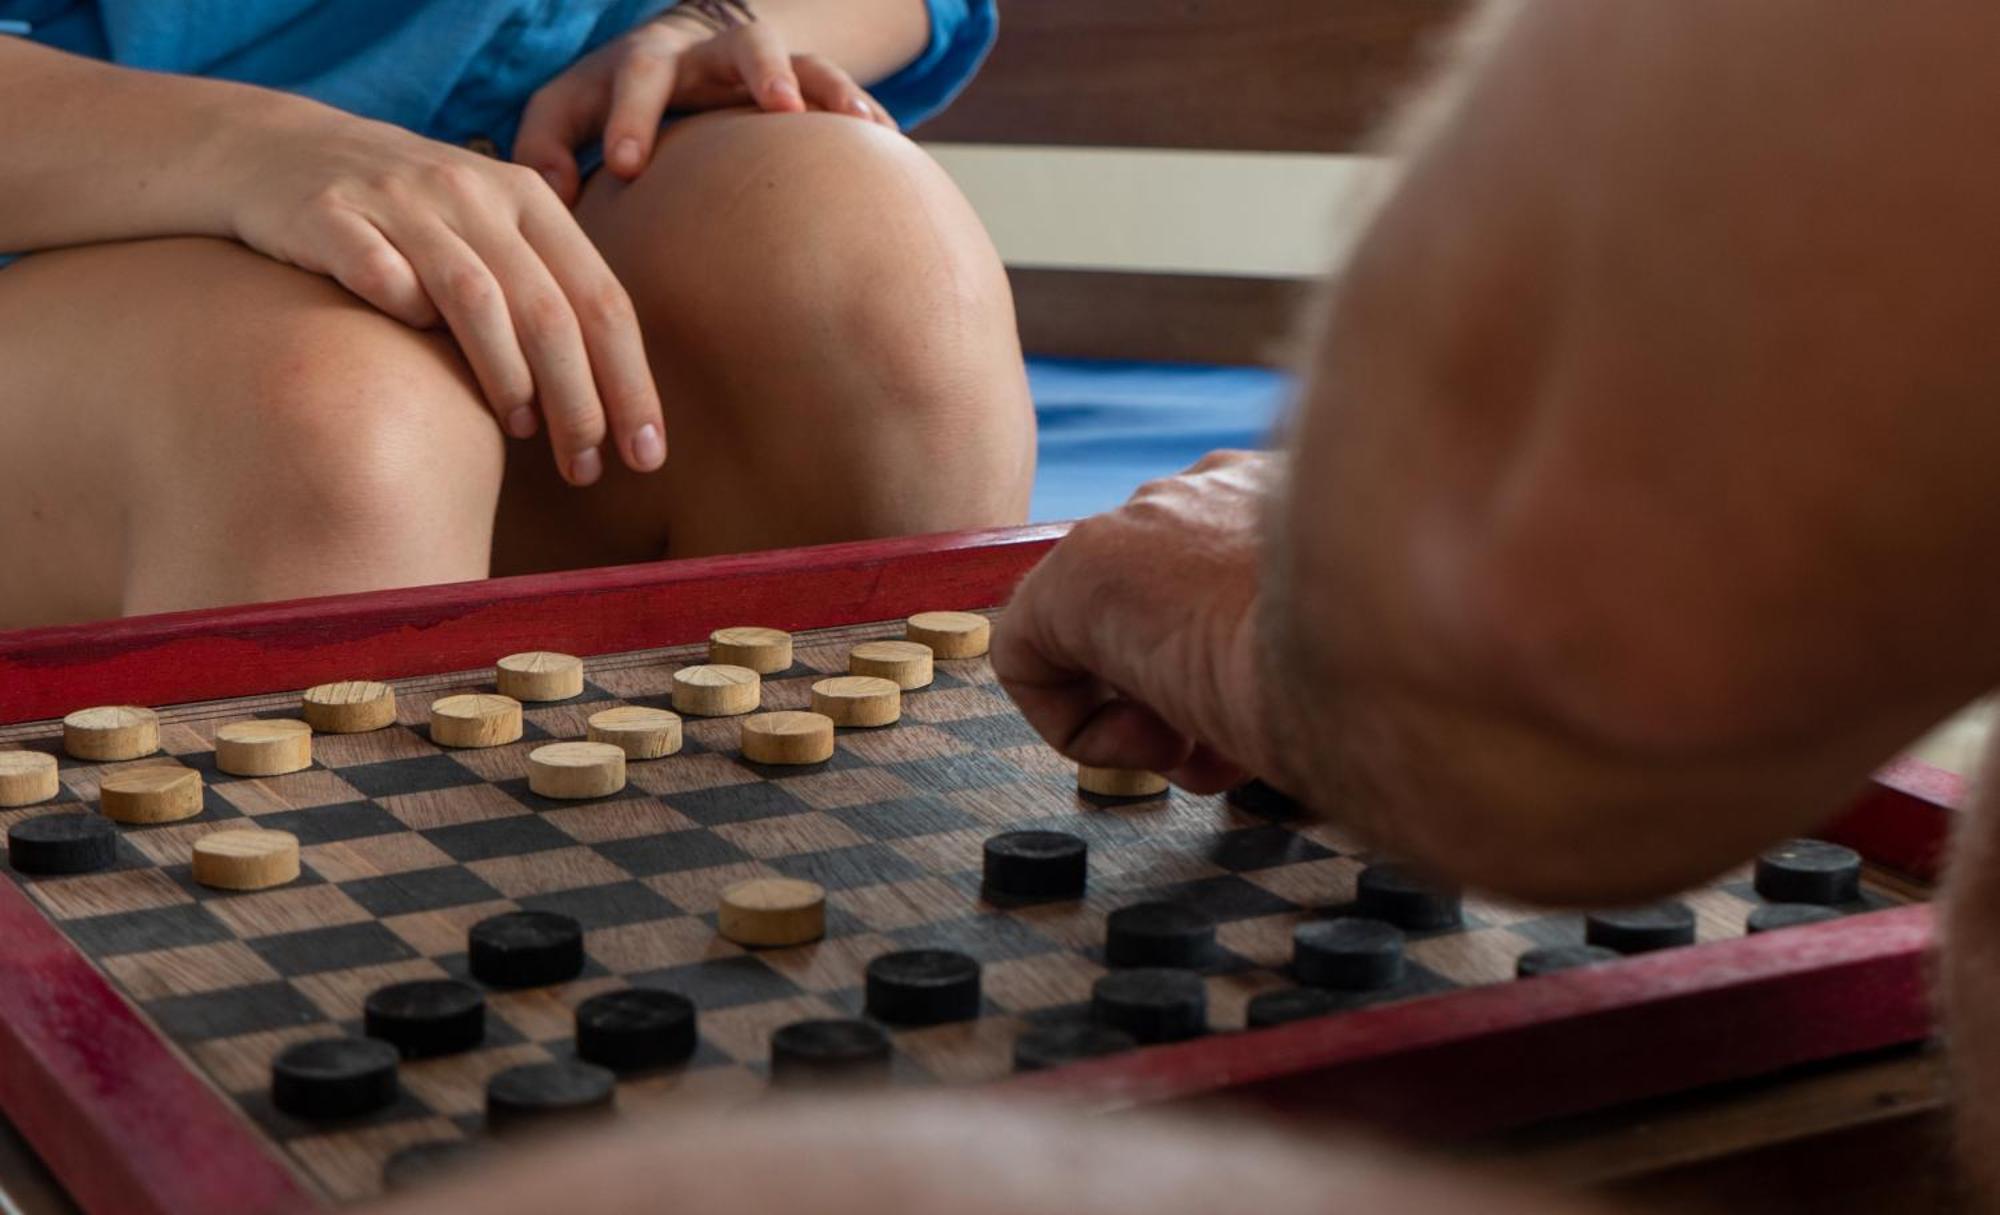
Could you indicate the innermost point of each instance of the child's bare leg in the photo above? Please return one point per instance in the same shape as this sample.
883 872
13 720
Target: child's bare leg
185 422
834 341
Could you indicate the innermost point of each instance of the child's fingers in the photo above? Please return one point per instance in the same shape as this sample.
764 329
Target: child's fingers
474 306
640 91
362 260
766 69
562 114
827 87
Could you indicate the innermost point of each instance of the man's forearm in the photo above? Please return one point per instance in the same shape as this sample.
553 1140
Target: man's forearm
870 39
1638 507
92 152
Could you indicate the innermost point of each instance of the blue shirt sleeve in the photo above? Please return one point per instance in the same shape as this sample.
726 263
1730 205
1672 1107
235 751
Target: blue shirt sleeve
962 32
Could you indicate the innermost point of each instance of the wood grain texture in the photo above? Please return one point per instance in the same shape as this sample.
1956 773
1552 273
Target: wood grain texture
1260 75
1176 318
203 655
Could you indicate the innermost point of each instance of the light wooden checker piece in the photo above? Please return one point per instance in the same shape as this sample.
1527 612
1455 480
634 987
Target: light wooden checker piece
155 793
27 777
576 770
352 706
246 859
640 732
264 748
539 675
906 663
475 719
788 738
111 733
772 913
950 634
765 651
858 700
1119 782
717 690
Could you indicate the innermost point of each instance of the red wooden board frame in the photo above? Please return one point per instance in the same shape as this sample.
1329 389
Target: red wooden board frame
130 1127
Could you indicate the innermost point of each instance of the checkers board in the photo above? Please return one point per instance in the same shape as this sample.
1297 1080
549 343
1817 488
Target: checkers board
406 844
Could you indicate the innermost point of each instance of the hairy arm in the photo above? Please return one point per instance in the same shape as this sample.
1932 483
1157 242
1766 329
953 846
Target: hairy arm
1644 498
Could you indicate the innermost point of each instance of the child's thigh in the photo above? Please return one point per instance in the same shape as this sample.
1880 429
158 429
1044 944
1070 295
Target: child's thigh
157 396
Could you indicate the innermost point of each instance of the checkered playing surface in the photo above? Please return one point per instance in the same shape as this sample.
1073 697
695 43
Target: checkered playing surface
407 844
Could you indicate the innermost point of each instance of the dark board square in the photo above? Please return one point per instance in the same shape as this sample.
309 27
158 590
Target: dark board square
340 947
1251 848
183 876
904 817
721 982
605 906
842 761
419 890
283 1127
1225 898
518 790
945 773
105 936
331 824
204 763
493 837
419 775
736 804
993 938
845 868
674 852
237 1010
995 733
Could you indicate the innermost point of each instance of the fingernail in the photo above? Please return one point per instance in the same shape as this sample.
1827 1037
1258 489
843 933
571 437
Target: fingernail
627 152
861 107
585 467
521 423
785 89
649 449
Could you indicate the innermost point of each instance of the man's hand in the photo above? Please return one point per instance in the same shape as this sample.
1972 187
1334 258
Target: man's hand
621 90
1134 644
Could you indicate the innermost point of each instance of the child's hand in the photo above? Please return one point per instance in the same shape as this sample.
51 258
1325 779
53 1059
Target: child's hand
622 89
426 232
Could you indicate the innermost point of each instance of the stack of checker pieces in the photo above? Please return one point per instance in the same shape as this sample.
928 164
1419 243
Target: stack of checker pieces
407 844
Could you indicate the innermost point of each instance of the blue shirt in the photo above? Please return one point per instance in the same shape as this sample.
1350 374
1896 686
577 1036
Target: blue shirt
451 69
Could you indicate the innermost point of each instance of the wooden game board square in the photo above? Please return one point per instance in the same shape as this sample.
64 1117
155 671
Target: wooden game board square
332 823
947 852
906 817
339 947
1076 926
830 965
1488 909
373 856
569 719
398 779
623 819
787 694
1040 759
634 683
233 1011
987 938
1312 884
242 1064
347 1163
708 1092
1227 897
649 856
744 1033
542 872
596 907
956 704
103 936
718 983
1009 806
442 931
107 893
1046 981
190 737
657 945
343 751
548 1014
976 770
492 838
85 781
846 868
452 807
1264 846
1229 995
737 804
496 764
690 773
1154 862
1718 914
1000 733
396 894
904 745
712 735
849 787
455 1085
294 791
286 910
340 993
1264 941
889 906
189 970
963 1052
1484 955
697 891
789 834
172 843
